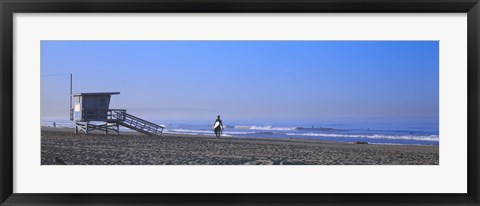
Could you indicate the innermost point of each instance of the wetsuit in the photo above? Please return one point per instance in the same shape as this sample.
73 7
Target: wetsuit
218 130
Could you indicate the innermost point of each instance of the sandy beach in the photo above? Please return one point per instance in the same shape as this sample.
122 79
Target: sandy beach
62 146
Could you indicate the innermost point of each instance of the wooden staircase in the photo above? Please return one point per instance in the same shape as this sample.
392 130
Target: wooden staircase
134 123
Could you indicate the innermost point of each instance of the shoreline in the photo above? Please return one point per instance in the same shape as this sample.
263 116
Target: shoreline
132 148
131 132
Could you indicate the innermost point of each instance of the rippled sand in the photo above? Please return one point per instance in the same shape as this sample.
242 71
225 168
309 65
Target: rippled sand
61 146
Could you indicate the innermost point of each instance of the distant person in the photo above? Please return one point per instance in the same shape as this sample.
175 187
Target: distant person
54 124
218 127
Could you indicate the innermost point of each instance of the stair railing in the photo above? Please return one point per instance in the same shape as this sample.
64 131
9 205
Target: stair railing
134 122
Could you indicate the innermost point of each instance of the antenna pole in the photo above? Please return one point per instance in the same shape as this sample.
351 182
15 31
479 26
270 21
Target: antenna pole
71 112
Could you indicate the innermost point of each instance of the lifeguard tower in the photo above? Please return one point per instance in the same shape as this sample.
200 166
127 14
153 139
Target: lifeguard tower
94 107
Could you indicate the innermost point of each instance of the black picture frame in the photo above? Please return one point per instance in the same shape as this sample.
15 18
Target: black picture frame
9 7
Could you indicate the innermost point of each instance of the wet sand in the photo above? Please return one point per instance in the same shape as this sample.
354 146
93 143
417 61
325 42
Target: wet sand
62 146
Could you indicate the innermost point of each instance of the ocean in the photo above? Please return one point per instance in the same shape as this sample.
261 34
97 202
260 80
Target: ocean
373 131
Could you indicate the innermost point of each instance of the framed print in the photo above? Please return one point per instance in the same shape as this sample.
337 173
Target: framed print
239 102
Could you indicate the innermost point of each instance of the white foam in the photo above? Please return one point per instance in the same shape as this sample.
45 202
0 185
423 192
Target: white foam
265 128
373 136
397 144
239 132
203 132
188 131
58 124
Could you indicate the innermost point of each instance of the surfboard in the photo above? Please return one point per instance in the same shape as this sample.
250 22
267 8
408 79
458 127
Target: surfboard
216 125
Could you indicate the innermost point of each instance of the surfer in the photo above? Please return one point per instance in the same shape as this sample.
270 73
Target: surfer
218 127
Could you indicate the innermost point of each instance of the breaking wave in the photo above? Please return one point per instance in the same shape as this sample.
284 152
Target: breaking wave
266 128
372 136
272 128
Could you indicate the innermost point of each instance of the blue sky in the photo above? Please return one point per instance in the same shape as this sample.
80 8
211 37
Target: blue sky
246 80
